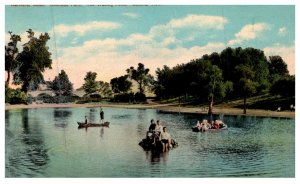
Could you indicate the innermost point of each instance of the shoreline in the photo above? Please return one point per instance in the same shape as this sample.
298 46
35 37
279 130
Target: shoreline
168 108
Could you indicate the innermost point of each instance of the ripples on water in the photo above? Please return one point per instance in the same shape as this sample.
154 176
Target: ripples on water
47 143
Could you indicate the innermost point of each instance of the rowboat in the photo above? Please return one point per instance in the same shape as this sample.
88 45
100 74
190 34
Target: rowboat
152 143
83 125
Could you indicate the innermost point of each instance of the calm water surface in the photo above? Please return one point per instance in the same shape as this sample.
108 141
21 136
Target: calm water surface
47 143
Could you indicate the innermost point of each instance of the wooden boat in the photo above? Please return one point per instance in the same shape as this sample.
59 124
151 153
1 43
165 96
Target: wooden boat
195 129
83 125
148 144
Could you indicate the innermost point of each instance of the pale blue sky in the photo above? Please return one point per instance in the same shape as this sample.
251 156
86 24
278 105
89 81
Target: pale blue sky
109 39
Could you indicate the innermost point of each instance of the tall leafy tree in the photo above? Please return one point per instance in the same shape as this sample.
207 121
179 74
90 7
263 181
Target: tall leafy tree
285 87
120 84
11 53
90 84
246 84
141 76
104 89
277 68
61 84
33 61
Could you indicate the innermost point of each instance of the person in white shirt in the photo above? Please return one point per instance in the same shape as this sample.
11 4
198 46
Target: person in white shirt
158 127
165 138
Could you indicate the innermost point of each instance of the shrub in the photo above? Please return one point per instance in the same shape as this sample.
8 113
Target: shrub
124 97
15 96
140 97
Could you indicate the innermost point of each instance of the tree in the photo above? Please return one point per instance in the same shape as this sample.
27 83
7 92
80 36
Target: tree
120 84
246 84
284 87
33 61
90 85
11 53
141 76
62 85
104 89
277 68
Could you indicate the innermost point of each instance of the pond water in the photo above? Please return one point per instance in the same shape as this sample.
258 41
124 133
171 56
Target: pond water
47 143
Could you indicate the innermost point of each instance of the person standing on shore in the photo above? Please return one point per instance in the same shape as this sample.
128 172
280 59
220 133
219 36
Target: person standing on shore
101 115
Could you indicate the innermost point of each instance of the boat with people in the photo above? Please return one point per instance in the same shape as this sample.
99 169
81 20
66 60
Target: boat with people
150 145
157 139
205 126
85 125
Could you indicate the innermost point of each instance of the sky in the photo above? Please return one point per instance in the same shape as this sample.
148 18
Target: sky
110 39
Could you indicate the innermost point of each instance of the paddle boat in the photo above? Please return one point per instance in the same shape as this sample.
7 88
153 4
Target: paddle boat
216 126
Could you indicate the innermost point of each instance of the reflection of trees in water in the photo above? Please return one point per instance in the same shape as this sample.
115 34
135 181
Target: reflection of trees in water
7 118
92 116
33 138
156 157
30 153
61 117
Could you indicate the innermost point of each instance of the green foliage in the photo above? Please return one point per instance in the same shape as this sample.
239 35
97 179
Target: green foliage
61 84
104 89
15 96
90 85
284 87
33 61
124 97
141 76
139 97
120 84
277 66
11 53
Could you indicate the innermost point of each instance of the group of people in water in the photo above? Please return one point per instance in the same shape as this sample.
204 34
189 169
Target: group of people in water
101 117
205 125
159 135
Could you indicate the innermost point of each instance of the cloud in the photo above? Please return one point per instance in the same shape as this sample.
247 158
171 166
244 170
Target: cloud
286 52
199 21
249 32
191 24
131 15
282 31
158 47
81 29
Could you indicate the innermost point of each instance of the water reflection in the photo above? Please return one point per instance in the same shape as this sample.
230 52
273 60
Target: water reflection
35 149
92 117
61 117
101 132
29 156
7 119
156 157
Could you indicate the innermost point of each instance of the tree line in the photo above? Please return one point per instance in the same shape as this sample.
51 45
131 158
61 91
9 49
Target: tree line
231 74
